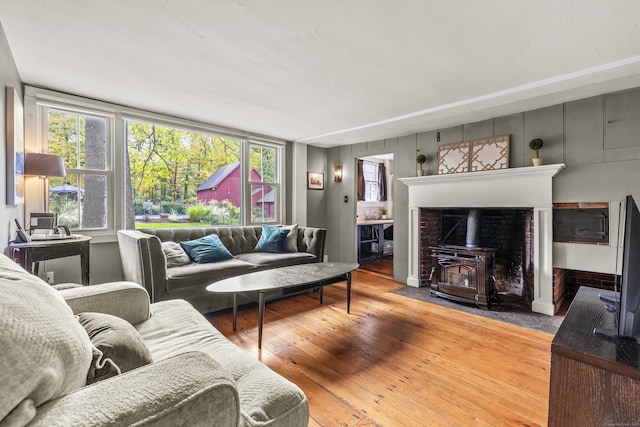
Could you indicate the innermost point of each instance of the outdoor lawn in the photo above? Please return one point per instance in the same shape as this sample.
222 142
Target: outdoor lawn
140 224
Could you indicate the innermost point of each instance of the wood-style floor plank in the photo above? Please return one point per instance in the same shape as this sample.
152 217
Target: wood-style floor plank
397 361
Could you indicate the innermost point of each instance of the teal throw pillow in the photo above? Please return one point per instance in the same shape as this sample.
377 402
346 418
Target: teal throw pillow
206 249
272 239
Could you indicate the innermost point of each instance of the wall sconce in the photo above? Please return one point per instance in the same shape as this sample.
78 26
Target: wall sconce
337 174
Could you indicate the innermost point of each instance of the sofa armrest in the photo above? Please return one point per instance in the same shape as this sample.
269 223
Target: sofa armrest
188 389
143 261
126 300
312 240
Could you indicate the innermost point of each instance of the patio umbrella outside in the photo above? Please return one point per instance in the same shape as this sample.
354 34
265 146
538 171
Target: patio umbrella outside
66 190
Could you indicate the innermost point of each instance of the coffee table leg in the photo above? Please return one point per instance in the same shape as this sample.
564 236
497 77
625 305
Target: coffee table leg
235 310
349 292
321 293
260 318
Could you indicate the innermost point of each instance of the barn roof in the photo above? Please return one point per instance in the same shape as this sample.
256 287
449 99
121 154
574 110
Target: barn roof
218 176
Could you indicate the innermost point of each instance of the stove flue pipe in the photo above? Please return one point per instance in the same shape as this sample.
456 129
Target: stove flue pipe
473 228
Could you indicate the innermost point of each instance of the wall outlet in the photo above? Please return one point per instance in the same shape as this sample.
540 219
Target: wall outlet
50 277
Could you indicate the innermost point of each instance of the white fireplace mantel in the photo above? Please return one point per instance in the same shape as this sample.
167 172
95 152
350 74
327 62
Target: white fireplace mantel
527 187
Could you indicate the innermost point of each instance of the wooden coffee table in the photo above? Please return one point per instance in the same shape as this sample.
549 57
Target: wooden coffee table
300 277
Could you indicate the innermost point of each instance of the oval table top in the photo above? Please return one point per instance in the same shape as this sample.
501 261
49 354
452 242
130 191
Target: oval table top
284 277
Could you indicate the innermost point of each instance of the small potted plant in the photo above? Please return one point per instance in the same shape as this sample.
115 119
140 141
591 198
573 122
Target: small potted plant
383 213
420 159
536 144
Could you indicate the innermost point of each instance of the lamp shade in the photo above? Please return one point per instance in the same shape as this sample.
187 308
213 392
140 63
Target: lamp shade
43 165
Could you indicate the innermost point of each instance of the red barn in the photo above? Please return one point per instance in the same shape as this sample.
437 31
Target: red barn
224 184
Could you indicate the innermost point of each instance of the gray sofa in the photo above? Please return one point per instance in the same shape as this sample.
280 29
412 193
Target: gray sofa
144 262
196 376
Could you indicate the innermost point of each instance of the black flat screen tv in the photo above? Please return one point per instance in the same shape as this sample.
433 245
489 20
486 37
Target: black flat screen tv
629 308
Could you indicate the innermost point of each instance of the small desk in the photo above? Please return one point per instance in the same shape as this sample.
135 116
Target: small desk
31 253
371 241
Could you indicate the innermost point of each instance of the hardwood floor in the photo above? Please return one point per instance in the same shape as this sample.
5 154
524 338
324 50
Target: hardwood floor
383 266
396 361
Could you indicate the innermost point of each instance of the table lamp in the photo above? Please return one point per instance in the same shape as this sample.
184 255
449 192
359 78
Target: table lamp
44 165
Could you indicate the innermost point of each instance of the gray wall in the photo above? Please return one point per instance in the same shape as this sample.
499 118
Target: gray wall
316 199
8 77
597 138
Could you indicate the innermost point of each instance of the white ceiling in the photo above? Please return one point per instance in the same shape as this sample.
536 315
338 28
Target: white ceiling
328 72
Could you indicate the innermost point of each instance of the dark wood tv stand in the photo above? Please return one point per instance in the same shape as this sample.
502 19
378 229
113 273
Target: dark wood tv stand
595 379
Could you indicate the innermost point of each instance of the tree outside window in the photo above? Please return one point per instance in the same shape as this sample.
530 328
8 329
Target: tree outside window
80 198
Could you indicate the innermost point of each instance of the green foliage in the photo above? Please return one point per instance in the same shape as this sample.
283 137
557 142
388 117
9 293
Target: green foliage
168 164
421 158
172 207
535 144
67 212
173 215
168 224
225 213
198 212
263 162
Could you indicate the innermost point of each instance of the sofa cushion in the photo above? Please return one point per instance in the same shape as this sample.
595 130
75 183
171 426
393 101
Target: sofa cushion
206 249
272 239
45 352
119 346
174 254
269 260
292 237
199 274
266 398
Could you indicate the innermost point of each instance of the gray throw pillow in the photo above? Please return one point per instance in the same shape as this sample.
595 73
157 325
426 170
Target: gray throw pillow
118 347
292 237
176 256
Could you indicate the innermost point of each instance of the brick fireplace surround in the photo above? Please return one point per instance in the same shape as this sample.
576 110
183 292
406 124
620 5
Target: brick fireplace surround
515 188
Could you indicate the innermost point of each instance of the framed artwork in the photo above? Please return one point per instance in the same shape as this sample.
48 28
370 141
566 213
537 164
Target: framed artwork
490 153
15 148
476 155
453 158
315 181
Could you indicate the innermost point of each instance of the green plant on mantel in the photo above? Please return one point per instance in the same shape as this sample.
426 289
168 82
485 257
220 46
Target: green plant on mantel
536 144
420 159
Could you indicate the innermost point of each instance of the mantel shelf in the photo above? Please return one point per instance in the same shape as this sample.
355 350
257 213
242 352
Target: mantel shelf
530 171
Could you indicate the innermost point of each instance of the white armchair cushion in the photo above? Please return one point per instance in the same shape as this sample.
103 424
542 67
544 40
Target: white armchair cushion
45 351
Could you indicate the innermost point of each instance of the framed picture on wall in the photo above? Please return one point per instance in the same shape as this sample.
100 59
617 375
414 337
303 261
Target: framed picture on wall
15 148
315 181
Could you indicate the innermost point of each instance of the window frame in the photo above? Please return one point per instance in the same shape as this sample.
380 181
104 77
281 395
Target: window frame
35 136
245 171
43 108
374 182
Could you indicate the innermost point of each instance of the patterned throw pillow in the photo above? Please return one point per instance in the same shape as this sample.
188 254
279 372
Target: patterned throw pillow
272 239
176 256
206 249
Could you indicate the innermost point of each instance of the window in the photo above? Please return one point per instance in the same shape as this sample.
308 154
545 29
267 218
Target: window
370 172
263 183
187 178
129 168
80 199
182 177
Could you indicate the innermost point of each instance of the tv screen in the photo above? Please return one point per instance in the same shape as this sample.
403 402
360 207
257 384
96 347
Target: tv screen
629 313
